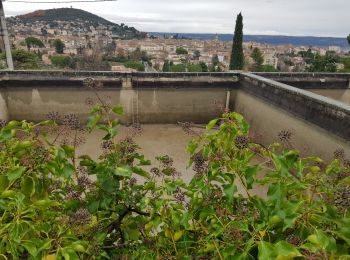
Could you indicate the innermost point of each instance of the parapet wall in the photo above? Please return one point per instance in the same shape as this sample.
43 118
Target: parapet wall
310 80
329 114
169 98
146 98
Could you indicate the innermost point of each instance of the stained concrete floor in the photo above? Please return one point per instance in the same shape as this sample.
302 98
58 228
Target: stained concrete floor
156 140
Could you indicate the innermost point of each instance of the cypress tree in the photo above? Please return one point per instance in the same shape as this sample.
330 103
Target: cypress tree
237 57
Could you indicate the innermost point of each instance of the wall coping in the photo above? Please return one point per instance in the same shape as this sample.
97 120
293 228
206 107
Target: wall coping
307 94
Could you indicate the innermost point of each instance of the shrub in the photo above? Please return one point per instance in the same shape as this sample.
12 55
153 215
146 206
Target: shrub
181 51
51 209
133 64
23 59
61 61
33 42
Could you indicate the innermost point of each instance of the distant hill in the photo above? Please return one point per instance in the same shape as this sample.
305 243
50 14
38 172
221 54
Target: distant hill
63 14
76 19
268 39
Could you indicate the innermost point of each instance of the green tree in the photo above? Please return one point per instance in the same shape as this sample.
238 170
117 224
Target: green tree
258 59
33 42
268 68
194 68
204 67
133 64
60 61
237 57
59 46
24 59
181 51
196 54
166 66
348 38
215 64
325 63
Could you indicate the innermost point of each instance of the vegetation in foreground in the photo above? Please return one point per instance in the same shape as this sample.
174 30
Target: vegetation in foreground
54 205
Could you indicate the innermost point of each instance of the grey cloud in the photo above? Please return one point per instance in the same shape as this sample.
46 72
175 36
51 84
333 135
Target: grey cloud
297 17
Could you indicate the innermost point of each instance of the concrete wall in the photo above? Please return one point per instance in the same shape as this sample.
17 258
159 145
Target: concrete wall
178 97
319 124
311 80
3 107
267 120
324 112
342 95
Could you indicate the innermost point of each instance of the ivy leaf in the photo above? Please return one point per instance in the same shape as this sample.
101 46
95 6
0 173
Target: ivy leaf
141 172
124 171
110 185
344 230
192 146
31 248
323 241
16 173
266 250
275 193
93 120
230 190
28 186
133 234
286 251
4 183
93 206
68 170
69 150
212 123
118 110
5 134
250 175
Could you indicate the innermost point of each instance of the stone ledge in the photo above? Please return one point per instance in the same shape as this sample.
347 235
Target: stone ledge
327 113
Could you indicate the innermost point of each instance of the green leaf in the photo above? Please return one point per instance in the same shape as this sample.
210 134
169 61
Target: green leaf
133 234
275 193
323 241
266 250
6 134
124 171
68 170
110 185
93 120
230 191
212 123
118 110
4 183
286 251
28 186
15 173
141 172
93 206
192 146
250 175
31 248
69 150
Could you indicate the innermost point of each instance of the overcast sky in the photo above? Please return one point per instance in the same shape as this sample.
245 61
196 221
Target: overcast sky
286 17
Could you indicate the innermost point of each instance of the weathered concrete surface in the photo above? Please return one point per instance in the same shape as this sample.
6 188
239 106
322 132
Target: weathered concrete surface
342 95
4 115
327 113
180 97
34 104
143 105
162 98
311 80
157 140
179 83
267 121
